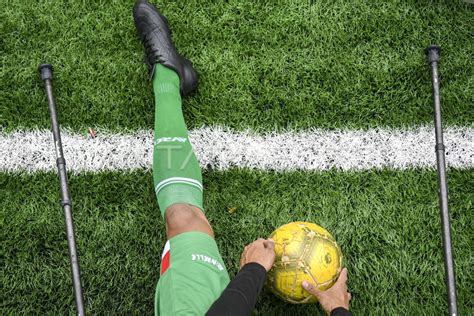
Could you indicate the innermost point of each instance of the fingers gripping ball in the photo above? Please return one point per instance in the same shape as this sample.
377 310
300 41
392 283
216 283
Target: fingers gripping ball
304 251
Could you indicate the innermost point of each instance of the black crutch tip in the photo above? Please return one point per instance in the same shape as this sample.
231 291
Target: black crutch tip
46 71
432 53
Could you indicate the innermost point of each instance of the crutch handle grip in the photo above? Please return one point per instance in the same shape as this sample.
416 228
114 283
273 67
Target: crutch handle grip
46 71
432 53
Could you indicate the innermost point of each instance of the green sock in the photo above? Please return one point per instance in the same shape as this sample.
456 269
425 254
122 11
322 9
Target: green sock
176 172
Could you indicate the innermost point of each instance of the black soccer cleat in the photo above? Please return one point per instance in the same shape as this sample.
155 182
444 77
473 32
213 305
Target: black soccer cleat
152 28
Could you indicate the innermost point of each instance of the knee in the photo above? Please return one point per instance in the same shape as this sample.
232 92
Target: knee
183 214
182 218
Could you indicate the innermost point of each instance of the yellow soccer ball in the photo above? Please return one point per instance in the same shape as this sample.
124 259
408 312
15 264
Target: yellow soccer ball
304 251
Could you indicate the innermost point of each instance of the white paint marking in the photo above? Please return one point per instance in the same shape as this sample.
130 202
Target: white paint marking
221 148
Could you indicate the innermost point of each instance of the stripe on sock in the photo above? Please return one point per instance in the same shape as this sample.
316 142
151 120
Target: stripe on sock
168 181
181 182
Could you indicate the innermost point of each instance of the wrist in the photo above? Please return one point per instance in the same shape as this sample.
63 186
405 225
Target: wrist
340 311
254 265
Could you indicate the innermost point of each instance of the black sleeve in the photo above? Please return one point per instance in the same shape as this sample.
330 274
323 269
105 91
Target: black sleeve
240 295
340 311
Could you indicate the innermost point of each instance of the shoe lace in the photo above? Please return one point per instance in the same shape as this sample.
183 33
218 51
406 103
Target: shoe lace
148 43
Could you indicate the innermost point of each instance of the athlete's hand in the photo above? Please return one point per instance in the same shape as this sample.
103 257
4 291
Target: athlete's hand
261 251
336 296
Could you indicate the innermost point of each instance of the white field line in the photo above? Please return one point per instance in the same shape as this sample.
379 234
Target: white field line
221 148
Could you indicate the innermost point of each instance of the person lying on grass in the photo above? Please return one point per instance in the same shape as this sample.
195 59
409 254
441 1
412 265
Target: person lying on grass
194 279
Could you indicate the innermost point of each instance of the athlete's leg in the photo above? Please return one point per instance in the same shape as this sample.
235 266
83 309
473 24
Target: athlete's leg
193 274
176 171
181 218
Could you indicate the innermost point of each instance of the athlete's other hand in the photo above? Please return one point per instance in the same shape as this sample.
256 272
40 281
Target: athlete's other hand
336 296
261 251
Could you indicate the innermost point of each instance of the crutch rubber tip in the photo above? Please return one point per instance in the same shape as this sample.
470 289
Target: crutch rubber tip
432 53
46 71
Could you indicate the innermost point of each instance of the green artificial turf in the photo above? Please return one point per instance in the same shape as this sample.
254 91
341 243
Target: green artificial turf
386 222
264 65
